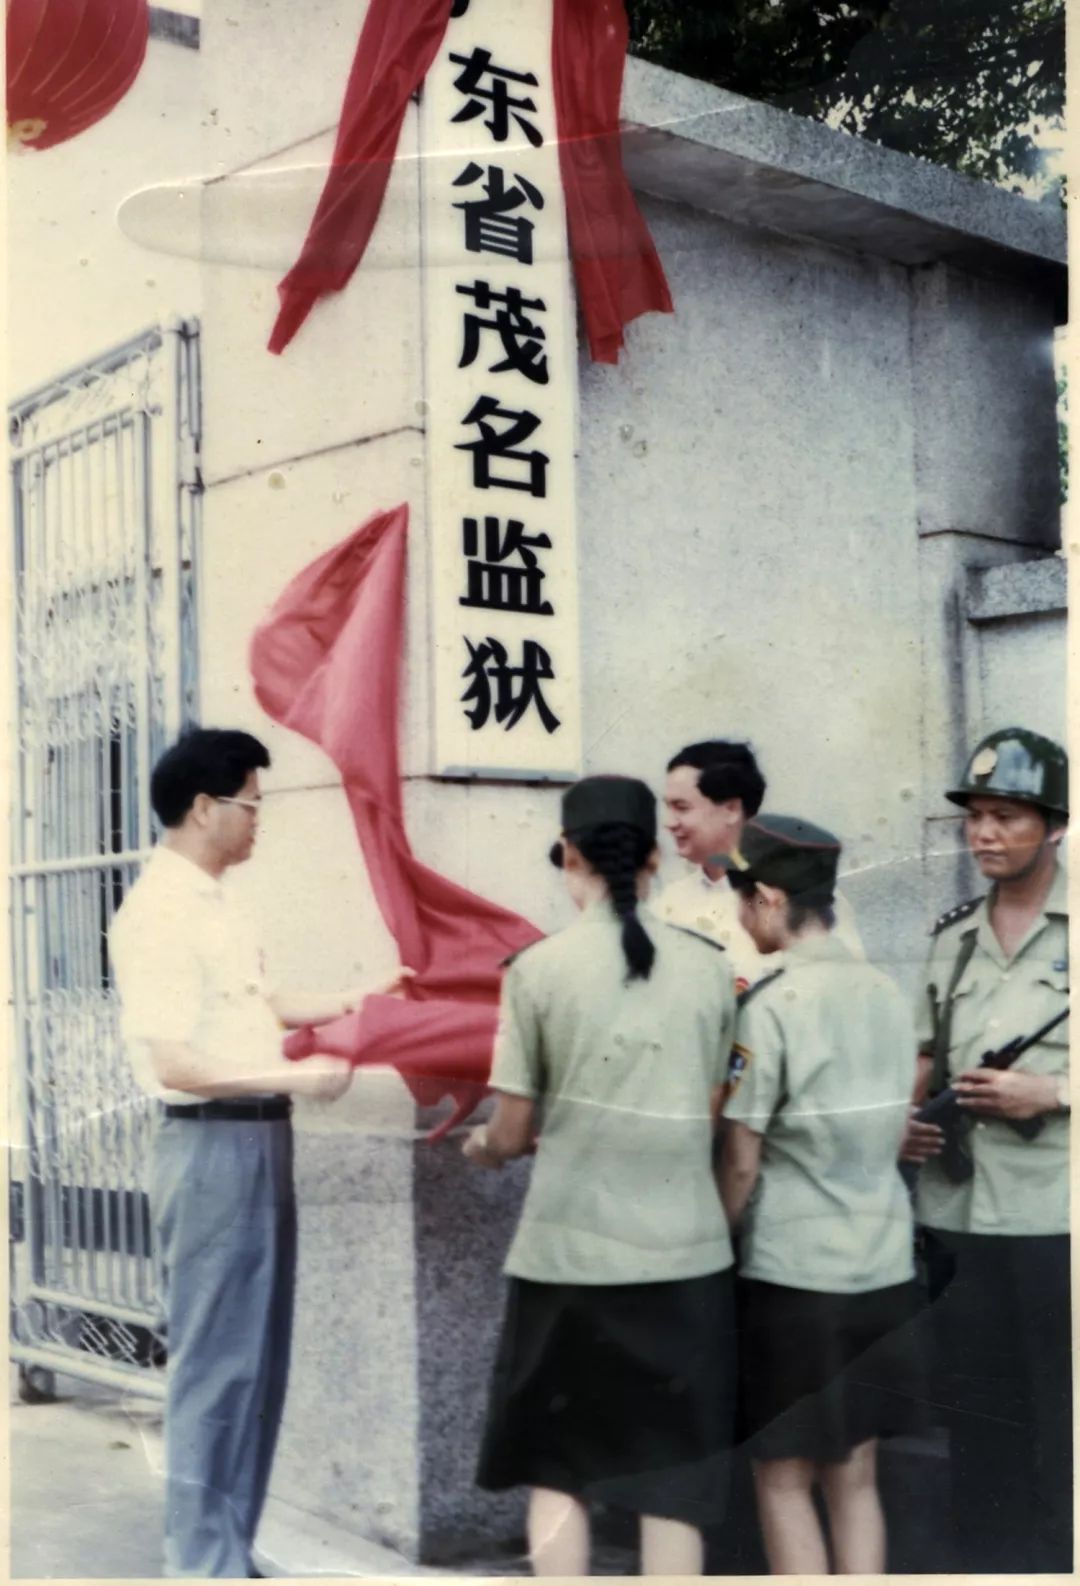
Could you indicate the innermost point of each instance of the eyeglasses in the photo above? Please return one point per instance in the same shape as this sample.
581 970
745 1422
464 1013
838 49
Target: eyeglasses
249 804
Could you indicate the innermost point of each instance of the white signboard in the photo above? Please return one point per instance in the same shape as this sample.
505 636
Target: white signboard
501 378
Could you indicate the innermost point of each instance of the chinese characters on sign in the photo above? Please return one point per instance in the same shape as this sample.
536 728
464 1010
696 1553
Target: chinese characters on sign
501 375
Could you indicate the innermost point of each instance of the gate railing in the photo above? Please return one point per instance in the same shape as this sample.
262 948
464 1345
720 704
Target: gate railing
105 499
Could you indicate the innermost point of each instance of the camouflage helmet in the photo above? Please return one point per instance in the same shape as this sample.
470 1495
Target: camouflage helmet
1014 763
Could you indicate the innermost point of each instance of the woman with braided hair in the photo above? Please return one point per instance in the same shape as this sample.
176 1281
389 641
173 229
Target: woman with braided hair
617 853
614 1381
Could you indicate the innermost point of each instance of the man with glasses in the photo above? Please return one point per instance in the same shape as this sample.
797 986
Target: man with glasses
203 1031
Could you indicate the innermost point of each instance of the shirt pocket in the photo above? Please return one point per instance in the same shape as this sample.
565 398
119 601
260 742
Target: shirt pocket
1051 997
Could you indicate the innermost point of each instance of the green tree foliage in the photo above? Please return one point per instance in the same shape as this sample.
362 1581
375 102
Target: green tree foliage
967 83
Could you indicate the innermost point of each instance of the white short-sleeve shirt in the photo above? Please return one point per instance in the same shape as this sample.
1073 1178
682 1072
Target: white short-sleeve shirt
189 969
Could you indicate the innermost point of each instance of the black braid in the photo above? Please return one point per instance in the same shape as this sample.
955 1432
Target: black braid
617 852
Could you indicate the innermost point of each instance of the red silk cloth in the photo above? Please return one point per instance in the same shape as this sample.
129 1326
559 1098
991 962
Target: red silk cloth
326 663
398 42
68 64
618 272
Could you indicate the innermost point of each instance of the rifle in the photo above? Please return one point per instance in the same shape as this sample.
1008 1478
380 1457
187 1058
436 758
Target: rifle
945 1110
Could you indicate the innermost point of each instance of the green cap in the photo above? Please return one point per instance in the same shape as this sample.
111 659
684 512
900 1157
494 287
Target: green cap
1017 764
786 852
598 800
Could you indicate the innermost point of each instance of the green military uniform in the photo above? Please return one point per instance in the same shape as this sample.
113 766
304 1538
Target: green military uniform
822 1069
1018 1186
622 1191
615 1374
826 1065
997 1240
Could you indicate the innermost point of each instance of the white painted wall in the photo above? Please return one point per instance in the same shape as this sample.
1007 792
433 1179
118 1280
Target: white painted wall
76 285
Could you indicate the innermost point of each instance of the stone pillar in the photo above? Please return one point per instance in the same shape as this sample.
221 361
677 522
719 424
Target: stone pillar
986 479
463 1220
399 1305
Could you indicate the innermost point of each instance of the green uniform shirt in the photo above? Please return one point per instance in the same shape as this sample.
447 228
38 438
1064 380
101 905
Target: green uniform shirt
1018 1186
824 1067
622 1189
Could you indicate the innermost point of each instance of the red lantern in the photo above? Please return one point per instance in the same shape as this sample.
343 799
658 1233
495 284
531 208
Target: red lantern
68 63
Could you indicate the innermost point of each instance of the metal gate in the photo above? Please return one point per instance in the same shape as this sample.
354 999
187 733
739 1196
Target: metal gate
105 504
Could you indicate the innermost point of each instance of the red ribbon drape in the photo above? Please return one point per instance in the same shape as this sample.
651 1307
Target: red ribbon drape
619 275
398 43
618 271
325 663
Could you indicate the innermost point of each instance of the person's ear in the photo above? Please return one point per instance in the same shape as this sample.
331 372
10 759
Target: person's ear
202 808
573 859
771 897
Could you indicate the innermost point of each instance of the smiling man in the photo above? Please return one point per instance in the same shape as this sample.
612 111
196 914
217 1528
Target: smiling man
713 788
997 1222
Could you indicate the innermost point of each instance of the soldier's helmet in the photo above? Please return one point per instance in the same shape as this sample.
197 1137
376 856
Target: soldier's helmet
1014 763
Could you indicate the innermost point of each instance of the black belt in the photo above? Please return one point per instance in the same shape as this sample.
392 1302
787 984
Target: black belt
274 1107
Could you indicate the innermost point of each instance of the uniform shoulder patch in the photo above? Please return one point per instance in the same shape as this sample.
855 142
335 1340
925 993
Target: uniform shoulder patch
686 930
512 958
953 916
759 985
738 1063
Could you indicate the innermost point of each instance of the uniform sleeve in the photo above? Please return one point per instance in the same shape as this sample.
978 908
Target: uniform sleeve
756 1074
908 1043
726 1021
923 1012
158 978
517 1067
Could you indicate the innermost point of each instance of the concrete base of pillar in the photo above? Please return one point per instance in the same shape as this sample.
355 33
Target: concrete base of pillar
399 1304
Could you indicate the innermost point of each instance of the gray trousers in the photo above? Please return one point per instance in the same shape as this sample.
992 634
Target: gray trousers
225 1220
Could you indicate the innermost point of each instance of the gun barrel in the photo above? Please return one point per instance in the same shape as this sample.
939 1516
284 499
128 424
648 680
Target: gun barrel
1000 1057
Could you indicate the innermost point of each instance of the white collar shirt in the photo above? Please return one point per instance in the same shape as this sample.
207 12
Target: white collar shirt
188 969
711 908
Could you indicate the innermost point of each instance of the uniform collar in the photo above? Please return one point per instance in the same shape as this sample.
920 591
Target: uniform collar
182 872
819 949
603 910
1056 906
1057 899
721 884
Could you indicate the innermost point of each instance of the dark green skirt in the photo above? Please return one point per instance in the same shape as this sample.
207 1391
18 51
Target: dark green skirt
620 1394
822 1373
